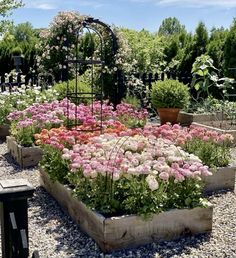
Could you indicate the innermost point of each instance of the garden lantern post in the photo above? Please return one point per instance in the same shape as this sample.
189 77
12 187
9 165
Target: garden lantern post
14 217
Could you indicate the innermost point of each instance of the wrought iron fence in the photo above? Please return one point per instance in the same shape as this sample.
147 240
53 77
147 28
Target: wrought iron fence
11 82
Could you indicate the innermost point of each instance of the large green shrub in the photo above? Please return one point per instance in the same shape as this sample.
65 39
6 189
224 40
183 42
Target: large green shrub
169 94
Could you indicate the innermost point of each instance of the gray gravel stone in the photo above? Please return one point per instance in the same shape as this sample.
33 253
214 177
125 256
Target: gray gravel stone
55 235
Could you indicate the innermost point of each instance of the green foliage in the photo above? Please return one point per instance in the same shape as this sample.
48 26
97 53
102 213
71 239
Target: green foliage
196 46
132 100
230 51
53 164
212 154
21 36
205 105
6 6
215 47
200 39
131 195
82 86
16 51
169 94
205 76
170 26
185 194
146 49
24 136
58 43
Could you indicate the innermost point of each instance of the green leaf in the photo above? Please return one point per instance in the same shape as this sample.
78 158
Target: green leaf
197 86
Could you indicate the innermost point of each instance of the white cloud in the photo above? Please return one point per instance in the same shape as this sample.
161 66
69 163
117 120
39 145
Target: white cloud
60 4
192 3
43 5
93 4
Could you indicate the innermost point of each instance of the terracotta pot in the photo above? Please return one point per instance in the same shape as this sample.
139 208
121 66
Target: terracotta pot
168 115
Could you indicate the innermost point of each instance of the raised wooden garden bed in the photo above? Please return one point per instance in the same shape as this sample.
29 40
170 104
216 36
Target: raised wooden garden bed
24 156
219 130
4 131
129 230
222 179
185 118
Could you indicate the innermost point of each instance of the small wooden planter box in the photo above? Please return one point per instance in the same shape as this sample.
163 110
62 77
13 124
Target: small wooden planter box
185 118
24 156
4 131
222 179
129 230
222 131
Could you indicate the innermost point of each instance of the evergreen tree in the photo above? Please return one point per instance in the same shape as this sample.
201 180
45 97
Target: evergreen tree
170 26
215 48
230 52
196 46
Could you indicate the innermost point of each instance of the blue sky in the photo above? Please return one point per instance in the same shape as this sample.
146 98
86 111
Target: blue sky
134 14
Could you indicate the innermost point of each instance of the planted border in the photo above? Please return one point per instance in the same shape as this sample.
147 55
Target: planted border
129 230
24 156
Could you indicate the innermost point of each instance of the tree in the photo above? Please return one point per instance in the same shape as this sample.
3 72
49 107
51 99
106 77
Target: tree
6 6
196 46
215 47
170 26
200 40
146 49
21 36
230 51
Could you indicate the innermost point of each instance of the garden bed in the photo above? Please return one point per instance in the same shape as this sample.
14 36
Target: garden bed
222 179
4 131
24 156
129 230
223 127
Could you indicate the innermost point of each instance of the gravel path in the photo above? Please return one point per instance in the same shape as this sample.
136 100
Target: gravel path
55 235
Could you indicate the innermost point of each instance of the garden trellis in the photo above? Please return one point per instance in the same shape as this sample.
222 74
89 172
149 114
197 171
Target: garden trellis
101 59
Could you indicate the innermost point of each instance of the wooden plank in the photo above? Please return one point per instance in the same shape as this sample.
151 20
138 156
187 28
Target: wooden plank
129 230
185 118
222 179
132 231
30 156
24 156
4 131
90 222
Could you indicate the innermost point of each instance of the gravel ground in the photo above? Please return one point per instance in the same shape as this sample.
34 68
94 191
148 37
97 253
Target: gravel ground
55 235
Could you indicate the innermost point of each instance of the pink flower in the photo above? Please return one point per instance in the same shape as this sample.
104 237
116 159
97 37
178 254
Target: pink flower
164 176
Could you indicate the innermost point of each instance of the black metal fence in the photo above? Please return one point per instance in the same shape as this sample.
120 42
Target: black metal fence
10 82
149 78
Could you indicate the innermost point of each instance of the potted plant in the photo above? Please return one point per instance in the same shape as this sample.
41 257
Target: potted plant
169 97
17 54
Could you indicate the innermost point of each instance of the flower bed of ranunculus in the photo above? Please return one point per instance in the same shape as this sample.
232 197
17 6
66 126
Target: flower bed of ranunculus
21 99
211 147
25 124
127 174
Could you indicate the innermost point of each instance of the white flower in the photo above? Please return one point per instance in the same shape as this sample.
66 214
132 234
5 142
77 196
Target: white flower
152 182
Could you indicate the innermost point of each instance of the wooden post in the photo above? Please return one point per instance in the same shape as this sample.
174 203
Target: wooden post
14 217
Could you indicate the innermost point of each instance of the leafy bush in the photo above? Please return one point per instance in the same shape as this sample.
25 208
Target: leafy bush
132 100
211 153
17 51
82 86
169 94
